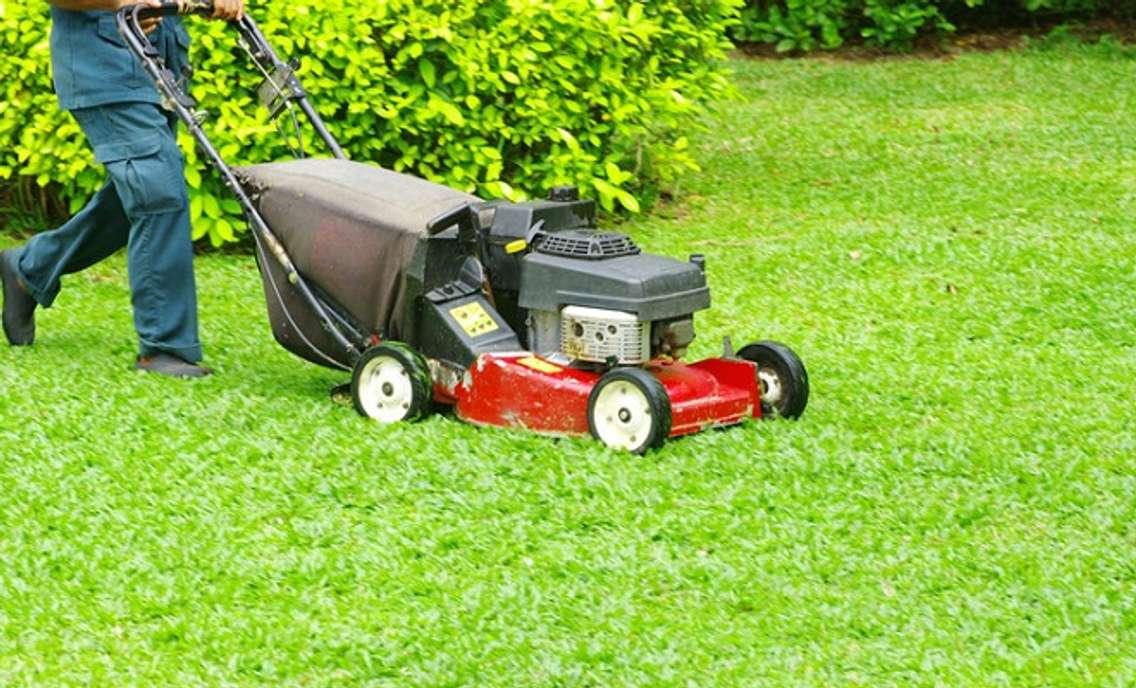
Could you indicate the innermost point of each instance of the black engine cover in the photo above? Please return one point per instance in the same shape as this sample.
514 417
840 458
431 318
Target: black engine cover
651 287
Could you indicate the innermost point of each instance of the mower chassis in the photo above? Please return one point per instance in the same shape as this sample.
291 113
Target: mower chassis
521 390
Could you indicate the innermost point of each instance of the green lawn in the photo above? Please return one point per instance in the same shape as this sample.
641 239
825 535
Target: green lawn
950 245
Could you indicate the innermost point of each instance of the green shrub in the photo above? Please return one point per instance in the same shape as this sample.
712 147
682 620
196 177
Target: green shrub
804 25
795 24
498 97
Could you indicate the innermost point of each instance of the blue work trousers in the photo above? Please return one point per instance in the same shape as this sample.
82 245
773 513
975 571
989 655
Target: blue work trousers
144 207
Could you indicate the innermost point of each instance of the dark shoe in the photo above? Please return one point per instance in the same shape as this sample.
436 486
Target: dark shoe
170 365
19 306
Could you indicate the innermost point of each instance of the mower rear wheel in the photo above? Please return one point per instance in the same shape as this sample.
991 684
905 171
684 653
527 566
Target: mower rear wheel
782 376
391 383
629 409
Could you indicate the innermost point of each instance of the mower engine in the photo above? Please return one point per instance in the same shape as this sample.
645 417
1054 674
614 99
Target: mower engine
589 296
599 336
610 337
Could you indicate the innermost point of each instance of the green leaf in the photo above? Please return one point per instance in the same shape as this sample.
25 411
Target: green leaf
192 177
210 207
427 71
607 194
224 230
616 175
450 112
628 201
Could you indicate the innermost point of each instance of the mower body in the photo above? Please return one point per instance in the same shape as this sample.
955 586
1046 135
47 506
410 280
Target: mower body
515 336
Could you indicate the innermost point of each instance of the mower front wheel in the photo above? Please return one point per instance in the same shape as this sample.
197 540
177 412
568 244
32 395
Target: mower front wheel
782 376
391 383
629 409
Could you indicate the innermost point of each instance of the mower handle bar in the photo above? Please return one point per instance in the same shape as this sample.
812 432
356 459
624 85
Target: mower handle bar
129 21
170 8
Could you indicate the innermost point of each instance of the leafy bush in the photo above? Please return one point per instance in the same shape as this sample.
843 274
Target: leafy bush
795 24
804 25
498 97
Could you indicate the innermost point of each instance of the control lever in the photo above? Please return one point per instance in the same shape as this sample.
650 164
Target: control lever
471 237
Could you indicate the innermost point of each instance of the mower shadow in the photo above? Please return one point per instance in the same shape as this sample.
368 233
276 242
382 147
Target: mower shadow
281 376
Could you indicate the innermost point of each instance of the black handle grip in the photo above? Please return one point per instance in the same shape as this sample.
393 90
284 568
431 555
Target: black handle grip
456 216
170 8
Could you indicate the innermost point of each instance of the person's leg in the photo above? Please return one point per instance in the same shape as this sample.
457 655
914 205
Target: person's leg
95 232
136 143
141 155
162 287
31 273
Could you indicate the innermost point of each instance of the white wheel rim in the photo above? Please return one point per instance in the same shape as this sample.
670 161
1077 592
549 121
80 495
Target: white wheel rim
385 391
771 389
622 416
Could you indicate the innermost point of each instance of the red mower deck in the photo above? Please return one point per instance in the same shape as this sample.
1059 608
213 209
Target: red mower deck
713 392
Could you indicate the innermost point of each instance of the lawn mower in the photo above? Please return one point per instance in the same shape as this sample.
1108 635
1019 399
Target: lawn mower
521 315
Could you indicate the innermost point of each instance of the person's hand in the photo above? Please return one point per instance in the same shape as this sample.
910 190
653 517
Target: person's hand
228 10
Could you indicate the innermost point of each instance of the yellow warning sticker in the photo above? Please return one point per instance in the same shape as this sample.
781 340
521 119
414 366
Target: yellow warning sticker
516 246
474 319
539 365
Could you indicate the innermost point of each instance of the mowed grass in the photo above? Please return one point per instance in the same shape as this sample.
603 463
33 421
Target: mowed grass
951 247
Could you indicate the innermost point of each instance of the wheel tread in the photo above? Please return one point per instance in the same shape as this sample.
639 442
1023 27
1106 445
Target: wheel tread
414 365
790 368
657 399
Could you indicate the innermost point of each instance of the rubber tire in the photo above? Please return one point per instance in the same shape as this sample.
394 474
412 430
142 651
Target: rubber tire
790 371
421 384
658 403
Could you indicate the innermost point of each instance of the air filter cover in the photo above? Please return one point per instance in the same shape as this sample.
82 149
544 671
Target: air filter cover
586 244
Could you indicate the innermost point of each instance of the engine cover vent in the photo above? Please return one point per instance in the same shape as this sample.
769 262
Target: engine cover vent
587 245
594 334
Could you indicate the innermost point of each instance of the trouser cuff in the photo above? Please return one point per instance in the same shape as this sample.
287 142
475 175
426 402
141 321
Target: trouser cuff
189 354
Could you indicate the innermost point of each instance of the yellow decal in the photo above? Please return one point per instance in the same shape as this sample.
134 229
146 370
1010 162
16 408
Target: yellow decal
474 319
539 365
516 246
